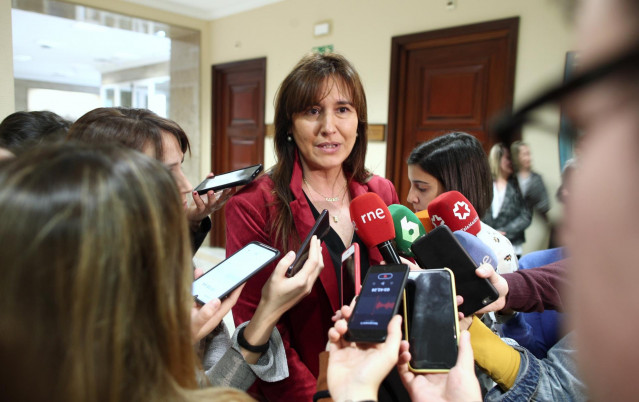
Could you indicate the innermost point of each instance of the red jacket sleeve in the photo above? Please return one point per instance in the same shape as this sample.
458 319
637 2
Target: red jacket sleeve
246 221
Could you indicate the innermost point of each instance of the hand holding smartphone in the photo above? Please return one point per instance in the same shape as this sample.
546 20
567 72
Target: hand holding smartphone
430 320
226 276
230 179
377 303
441 249
319 229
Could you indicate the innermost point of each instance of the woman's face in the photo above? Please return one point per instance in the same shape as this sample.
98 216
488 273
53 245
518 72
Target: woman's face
505 165
173 157
325 133
423 188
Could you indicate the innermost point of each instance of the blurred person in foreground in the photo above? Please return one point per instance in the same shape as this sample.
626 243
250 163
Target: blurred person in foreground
95 236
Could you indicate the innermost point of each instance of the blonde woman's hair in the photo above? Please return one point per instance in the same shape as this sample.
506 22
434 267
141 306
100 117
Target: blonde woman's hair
494 159
95 289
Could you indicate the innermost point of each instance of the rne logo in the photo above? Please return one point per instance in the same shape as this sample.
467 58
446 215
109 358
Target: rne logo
373 215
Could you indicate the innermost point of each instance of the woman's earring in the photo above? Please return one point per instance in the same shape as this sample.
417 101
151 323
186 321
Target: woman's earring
289 138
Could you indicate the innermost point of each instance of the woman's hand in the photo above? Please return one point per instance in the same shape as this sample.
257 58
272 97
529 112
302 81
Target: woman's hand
279 294
205 318
460 384
355 371
205 206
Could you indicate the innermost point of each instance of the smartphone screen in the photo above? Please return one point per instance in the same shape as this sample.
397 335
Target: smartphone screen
377 303
320 229
351 275
431 320
230 179
441 249
223 278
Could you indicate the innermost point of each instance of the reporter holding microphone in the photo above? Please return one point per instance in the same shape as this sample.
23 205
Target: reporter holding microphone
320 143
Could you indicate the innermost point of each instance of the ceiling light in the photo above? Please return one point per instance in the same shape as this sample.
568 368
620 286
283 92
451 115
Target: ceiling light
22 57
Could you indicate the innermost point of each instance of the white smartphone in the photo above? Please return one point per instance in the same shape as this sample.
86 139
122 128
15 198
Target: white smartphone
226 276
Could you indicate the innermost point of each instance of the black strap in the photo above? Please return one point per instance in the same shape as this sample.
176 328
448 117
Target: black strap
321 395
251 348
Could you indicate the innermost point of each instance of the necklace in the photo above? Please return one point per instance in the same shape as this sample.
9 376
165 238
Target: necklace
329 199
334 215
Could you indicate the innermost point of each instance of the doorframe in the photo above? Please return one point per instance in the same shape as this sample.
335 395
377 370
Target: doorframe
401 45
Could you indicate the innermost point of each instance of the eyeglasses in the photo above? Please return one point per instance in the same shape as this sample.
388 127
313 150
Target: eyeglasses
507 127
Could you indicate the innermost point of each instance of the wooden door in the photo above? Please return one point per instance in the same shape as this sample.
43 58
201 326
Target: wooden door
238 124
453 79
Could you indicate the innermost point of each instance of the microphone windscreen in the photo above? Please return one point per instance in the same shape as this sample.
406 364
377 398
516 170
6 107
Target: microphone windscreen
371 219
455 211
424 218
408 228
477 249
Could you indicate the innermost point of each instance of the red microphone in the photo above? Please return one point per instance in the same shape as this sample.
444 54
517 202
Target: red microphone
455 211
374 225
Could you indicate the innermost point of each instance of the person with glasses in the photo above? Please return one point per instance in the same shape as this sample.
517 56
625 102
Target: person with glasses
600 229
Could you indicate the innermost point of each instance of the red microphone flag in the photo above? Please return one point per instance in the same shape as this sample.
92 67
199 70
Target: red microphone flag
372 219
455 211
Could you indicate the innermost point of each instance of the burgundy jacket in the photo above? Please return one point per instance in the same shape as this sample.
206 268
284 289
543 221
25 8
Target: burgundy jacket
537 289
304 328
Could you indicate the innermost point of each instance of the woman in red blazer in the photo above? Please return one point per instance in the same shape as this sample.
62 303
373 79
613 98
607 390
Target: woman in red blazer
320 142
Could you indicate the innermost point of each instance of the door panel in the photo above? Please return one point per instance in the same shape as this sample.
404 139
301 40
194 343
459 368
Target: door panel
238 124
453 79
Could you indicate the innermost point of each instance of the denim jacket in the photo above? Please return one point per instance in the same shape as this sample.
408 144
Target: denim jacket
551 379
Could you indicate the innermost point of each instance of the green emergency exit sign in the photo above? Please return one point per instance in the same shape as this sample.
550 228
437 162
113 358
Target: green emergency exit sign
323 49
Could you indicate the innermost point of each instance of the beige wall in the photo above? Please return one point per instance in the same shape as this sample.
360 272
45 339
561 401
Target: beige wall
7 105
362 31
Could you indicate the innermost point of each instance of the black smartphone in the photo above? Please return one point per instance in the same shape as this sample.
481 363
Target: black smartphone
431 325
440 249
226 276
350 279
229 179
377 303
320 229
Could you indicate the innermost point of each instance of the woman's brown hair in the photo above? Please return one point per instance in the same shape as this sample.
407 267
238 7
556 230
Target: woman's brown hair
134 128
459 162
301 89
96 276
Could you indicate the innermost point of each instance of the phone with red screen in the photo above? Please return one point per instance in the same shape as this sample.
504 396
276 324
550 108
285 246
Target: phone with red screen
378 302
